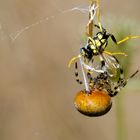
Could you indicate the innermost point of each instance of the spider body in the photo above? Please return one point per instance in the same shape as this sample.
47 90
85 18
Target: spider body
97 101
94 103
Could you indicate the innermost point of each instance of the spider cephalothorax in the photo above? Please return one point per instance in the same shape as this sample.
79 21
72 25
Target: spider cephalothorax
112 84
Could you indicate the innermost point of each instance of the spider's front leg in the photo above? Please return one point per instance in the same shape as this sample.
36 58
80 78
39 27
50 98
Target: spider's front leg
122 82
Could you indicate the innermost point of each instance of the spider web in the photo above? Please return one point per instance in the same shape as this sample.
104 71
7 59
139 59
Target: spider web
15 35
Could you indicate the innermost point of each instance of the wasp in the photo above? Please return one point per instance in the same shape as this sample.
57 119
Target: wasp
97 44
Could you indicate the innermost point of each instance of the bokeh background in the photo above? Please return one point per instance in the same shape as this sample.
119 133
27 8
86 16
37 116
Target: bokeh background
37 39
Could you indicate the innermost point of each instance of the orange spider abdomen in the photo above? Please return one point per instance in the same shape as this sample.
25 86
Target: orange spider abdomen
95 103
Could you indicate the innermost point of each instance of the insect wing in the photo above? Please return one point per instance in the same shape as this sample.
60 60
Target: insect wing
112 65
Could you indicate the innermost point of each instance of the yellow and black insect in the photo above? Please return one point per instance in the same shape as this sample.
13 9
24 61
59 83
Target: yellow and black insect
97 44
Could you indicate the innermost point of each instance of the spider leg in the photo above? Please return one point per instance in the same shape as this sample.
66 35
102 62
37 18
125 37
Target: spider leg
77 74
120 83
118 88
90 79
103 63
133 74
113 92
109 90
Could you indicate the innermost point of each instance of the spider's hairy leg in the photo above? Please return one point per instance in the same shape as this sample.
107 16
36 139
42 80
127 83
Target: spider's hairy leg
119 85
133 74
72 60
121 74
90 79
77 74
102 62
121 82
127 38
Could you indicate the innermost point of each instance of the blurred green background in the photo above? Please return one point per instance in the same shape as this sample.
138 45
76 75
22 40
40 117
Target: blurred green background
37 89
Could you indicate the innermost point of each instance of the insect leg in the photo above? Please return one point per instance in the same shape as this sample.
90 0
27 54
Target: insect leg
98 15
116 53
92 13
72 60
127 38
113 38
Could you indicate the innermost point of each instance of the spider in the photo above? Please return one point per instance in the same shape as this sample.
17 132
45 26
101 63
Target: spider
97 100
103 82
97 44
112 79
